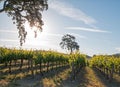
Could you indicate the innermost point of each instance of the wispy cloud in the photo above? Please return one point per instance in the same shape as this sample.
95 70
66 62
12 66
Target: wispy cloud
87 29
60 35
118 49
53 34
7 31
77 35
8 40
68 10
72 12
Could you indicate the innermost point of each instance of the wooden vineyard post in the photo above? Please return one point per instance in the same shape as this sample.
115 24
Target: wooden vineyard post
111 73
32 72
119 70
10 66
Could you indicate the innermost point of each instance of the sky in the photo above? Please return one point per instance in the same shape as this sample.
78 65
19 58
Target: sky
94 23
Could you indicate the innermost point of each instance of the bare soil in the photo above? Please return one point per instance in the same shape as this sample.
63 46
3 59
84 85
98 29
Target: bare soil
60 77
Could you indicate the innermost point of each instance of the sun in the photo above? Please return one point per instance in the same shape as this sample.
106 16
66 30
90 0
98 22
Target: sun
31 31
41 36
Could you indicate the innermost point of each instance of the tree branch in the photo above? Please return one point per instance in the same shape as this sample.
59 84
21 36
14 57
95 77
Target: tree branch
4 5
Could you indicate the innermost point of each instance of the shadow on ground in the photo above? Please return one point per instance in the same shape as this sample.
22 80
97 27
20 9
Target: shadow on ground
79 81
37 79
114 83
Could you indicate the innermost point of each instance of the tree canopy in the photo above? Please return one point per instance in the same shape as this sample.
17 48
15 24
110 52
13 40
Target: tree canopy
22 11
68 42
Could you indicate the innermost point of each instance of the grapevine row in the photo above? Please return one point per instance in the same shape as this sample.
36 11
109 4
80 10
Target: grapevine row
108 65
77 62
40 60
8 57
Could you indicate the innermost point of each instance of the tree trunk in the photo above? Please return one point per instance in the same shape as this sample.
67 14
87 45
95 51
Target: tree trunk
40 67
35 68
6 63
52 65
21 64
10 66
47 66
15 61
73 72
32 72
119 70
107 73
111 73
28 64
56 64
59 63
71 50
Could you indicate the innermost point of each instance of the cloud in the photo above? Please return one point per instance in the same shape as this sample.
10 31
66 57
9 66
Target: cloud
72 12
118 49
7 31
77 35
68 10
8 40
52 34
87 29
60 35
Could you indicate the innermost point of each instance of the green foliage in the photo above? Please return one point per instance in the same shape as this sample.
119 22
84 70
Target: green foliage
38 58
49 56
78 59
105 62
7 55
41 59
68 42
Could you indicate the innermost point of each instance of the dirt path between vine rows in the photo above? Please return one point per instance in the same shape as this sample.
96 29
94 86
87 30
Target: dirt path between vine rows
87 77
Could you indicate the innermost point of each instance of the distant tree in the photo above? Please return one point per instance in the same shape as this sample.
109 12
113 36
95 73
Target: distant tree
22 11
68 42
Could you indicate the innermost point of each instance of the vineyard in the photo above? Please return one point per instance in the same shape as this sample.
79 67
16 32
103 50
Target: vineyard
107 65
17 65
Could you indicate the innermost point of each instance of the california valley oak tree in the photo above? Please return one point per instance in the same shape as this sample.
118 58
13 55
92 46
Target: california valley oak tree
68 42
22 11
